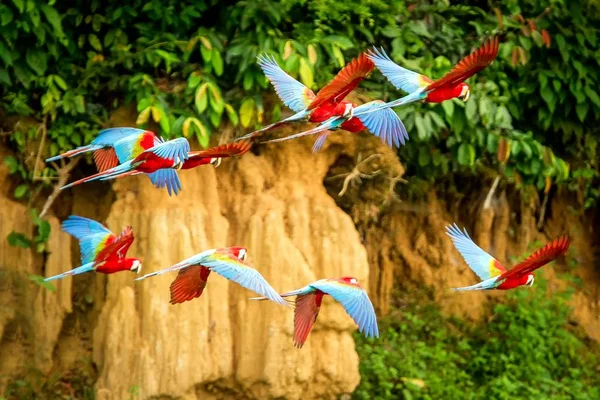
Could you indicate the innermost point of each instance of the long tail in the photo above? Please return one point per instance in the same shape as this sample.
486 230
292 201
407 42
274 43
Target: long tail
287 294
176 267
76 271
119 170
485 285
327 125
75 152
294 118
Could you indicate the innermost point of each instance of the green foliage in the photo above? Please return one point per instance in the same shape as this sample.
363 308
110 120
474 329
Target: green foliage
190 66
525 350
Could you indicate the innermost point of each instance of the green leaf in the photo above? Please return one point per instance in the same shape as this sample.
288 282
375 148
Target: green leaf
339 57
466 154
21 190
232 115
60 82
471 110
17 239
422 132
246 111
20 4
582 110
448 107
39 280
216 100
6 16
12 164
592 95
44 229
424 156
306 74
201 98
217 62
95 42
549 97
37 61
341 41
248 80
5 54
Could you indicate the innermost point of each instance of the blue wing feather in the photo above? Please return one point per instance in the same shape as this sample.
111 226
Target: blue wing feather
400 77
168 178
176 149
234 269
108 137
292 93
383 123
478 260
91 235
355 301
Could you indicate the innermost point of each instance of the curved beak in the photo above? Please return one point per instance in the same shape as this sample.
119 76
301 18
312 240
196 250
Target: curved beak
216 162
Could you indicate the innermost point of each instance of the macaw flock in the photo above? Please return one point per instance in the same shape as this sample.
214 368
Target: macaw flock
124 151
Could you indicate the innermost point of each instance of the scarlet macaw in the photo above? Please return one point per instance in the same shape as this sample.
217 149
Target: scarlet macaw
346 290
160 162
382 122
492 273
229 262
421 87
100 249
132 141
307 106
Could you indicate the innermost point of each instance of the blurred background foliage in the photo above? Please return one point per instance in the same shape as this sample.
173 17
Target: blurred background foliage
527 349
190 67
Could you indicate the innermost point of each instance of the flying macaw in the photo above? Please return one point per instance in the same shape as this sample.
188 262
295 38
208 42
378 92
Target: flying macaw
382 122
492 274
160 162
345 290
229 262
329 101
132 141
214 154
420 87
101 250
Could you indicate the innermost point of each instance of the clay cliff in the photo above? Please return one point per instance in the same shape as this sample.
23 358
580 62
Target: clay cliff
280 203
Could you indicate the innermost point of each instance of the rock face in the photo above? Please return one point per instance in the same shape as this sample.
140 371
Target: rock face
294 233
222 346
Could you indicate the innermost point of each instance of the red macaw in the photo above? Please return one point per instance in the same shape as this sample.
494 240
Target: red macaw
450 86
307 106
214 155
160 162
381 121
130 141
101 250
229 262
346 290
492 274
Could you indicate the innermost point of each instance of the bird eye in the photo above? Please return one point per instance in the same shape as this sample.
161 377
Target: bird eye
353 280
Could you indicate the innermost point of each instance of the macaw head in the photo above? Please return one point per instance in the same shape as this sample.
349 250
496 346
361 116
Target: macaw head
178 164
530 279
349 279
215 161
239 252
134 264
465 91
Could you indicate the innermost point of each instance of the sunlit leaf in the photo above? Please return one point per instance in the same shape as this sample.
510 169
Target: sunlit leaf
17 239
306 74
246 111
39 280
201 98
312 54
466 154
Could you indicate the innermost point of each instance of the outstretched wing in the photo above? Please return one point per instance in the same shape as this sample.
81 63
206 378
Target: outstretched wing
176 150
305 315
483 264
166 178
189 284
541 257
383 123
229 266
188 262
132 146
470 65
344 82
400 77
105 159
117 248
93 236
224 150
108 137
293 93
355 301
